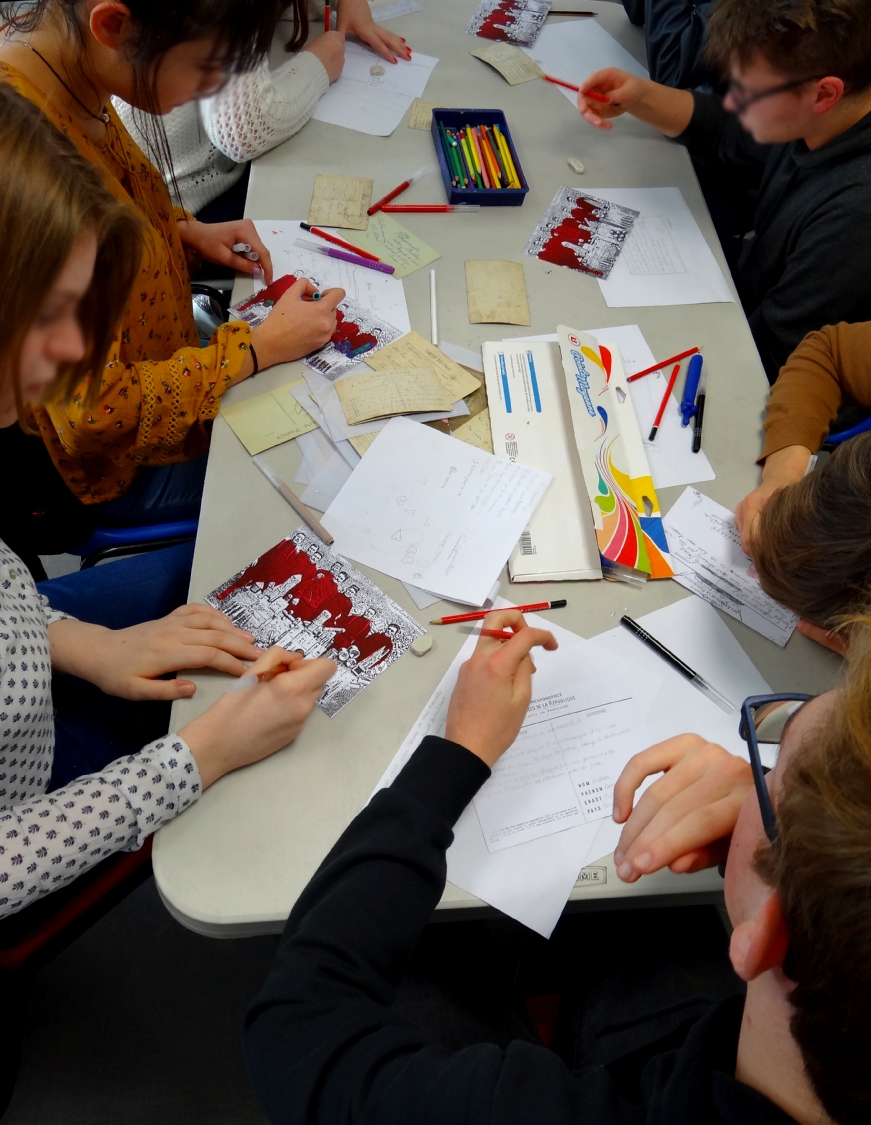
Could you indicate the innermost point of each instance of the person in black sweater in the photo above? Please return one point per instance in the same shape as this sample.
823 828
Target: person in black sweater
324 1043
673 34
791 147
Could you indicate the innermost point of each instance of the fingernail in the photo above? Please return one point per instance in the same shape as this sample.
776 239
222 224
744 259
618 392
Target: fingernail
625 871
643 861
615 812
618 854
186 689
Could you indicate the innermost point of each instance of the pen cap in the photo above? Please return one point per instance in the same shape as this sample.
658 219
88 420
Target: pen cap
691 386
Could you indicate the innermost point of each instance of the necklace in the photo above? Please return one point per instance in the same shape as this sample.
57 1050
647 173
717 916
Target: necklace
101 116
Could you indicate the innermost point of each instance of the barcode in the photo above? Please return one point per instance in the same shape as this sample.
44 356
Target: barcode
526 547
511 450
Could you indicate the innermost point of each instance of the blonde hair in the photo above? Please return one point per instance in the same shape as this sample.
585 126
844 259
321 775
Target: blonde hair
49 196
820 866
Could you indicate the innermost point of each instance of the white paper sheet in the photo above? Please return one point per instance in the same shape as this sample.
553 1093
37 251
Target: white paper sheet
347 451
382 294
671 459
373 103
426 508
703 537
463 356
383 12
423 599
327 483
571 50
665 259
530 882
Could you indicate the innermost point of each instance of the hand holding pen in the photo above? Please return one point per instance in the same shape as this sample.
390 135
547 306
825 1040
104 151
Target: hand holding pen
216 242
296 326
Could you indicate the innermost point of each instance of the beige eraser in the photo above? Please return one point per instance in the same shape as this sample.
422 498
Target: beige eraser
422 645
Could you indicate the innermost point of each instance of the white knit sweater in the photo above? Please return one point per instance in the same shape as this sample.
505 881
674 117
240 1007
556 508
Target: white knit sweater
47 839
211 140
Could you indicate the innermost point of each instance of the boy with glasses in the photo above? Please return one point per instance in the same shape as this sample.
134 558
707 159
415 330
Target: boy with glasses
326 1044
792 140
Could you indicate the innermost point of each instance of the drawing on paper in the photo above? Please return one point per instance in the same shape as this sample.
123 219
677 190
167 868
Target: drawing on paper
359 332
581 232
628 521
511 21
306 598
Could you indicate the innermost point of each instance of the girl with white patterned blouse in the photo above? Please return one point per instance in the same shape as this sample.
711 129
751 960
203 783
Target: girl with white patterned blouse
70 256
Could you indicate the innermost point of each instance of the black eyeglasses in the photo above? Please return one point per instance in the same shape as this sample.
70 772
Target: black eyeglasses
743 102
763 721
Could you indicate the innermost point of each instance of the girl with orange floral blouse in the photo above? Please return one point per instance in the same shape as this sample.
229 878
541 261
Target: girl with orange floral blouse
160 389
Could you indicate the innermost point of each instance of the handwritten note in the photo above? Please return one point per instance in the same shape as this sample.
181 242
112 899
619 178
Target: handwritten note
268 419
702 536
435 512
496 292
510 61
362 442
421 113
393 243
476 431
340 201
379 394
413 350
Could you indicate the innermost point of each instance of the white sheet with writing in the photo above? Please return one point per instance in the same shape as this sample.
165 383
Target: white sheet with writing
706 543
433 511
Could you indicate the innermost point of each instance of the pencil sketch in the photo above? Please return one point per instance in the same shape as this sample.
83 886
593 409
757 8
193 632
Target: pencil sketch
511 21
581 232
306 598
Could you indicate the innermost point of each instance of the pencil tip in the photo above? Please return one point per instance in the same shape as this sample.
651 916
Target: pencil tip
436 621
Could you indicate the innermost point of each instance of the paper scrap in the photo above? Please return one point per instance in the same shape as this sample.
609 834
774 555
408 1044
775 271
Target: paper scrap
393 243
514 66
515 21
340 201
421 113
303 596
496 292
412 350
378 394
476 431
703 537
362 442
581 232
268 419
433 511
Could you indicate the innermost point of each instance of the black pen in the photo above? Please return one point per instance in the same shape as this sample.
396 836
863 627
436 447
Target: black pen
697 425
679 666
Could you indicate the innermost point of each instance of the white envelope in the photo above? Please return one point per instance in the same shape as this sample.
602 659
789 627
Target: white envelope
530 423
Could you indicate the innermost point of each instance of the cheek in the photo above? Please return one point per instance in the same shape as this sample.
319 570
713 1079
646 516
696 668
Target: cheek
32 356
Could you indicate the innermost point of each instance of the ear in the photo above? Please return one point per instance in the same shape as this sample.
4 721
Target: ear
109 21
829 91
760 943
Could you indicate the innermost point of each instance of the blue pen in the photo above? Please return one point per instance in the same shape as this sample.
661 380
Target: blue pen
688 402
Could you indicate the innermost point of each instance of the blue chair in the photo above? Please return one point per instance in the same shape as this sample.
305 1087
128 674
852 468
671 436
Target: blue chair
844 435
115 542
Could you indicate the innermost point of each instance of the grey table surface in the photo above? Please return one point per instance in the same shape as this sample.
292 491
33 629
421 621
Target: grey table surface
235 863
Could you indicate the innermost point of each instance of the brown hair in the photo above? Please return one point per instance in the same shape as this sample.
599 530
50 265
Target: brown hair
812 540
820 866
49 196
799 38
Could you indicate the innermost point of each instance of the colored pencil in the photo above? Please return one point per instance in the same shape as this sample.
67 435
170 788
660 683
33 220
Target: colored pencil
497 153
491 158
506 151
463 157
449 154
664 402
479 614
326 17
496 634
659 366
340 242
484 169
470 157
594 94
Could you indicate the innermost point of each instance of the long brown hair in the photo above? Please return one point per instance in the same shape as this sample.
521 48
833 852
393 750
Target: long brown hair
820 866
812 542
49 196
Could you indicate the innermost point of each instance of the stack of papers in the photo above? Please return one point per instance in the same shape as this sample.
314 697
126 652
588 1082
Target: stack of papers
433 511
708 559
545 812
372 96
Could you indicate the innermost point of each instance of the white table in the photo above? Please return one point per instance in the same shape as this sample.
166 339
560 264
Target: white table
236 862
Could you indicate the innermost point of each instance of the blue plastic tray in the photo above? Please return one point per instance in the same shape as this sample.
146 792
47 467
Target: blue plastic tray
485 197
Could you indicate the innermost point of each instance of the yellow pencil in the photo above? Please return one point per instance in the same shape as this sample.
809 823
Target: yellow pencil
470 156
506 156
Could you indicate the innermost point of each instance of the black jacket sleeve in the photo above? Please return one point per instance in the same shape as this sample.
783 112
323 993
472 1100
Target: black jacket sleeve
321 1042
717 135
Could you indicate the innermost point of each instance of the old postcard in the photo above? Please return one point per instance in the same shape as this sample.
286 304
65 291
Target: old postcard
393 243
412 350
514 66
496 293
381 394
268 419
340 201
